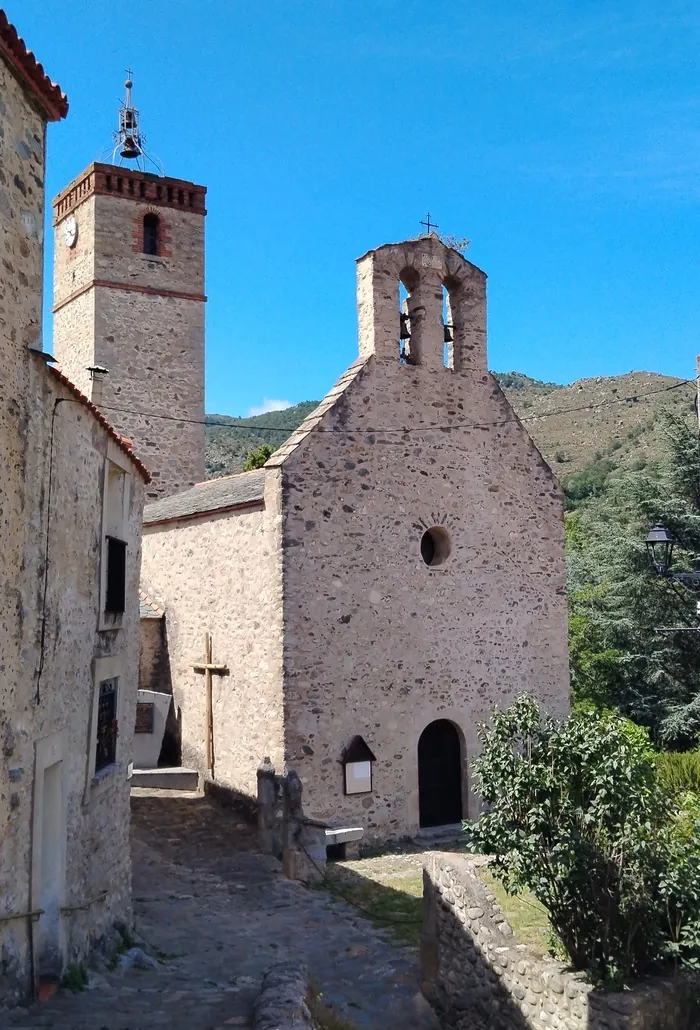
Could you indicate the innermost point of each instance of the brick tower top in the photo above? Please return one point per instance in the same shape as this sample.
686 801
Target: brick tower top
131 184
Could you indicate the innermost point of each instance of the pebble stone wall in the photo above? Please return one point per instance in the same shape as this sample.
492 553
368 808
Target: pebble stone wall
477 975
49 605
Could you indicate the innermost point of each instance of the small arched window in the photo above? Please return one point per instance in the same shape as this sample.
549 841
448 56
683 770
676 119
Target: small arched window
150 234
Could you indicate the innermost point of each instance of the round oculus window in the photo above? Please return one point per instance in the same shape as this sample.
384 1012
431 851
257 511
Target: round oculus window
435 546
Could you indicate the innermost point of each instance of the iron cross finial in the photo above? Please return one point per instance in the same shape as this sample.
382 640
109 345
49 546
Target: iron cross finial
428 224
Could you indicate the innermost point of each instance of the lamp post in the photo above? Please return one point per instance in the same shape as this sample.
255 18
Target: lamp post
660 543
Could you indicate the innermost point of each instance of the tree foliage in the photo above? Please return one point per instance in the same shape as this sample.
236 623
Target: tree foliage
633 644
257 458
576 814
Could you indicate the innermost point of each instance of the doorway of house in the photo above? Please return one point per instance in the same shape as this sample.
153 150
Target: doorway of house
439 775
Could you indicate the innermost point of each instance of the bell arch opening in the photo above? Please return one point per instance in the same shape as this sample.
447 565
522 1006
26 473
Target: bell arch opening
408 280
440 774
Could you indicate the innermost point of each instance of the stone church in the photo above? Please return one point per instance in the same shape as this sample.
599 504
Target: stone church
393 572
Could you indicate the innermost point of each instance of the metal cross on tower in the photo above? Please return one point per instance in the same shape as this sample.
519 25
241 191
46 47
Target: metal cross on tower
429 225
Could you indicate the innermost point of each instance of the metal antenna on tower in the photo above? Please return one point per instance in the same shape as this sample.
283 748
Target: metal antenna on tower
129 141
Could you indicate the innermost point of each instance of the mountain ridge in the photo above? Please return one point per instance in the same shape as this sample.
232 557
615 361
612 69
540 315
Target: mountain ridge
589 428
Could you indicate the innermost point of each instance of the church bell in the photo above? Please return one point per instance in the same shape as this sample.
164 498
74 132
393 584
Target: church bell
447 333
129 148
405 330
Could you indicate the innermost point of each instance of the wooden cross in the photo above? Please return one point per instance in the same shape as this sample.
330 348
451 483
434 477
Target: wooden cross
208 667
428 224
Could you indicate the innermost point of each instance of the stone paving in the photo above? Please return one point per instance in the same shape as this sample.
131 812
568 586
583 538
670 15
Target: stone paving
218 914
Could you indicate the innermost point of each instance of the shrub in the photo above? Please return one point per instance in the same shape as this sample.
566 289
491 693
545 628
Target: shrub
257 458
576 815
679 772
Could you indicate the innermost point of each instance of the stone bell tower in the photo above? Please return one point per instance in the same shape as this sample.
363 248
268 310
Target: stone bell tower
129 304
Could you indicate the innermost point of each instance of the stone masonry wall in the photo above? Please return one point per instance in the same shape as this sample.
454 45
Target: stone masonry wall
154 668
51 703
152 343
222 574
376 642
22 142
477 974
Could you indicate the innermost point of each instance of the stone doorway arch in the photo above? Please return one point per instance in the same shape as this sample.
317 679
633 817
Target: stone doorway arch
440 774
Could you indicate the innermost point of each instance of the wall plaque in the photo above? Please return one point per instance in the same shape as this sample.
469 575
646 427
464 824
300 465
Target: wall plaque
144 716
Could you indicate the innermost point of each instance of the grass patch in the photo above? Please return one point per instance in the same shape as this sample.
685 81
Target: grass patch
75 978
527 916
325 1016
391 901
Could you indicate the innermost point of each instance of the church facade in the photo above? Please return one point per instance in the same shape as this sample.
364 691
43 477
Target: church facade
394 572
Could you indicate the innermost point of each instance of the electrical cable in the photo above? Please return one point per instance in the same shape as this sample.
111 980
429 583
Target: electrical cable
631 398
42 644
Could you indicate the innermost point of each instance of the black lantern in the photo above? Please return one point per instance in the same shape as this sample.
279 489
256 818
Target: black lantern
357 763
660 549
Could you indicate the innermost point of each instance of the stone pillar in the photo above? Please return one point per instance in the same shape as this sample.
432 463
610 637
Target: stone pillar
267 806
304 840
377 308
425 316
468 311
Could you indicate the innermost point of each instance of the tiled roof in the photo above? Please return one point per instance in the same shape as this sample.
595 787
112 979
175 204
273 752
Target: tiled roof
210 496
121 441
25 65
149 609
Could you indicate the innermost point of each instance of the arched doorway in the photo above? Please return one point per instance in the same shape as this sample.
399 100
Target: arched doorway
439 774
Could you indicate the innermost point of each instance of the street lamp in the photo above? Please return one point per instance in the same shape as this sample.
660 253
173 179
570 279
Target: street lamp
660 549
660 543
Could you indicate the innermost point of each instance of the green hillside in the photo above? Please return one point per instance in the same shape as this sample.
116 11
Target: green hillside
586 431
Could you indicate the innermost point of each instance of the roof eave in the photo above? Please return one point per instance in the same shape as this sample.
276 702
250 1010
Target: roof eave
48 95
258 503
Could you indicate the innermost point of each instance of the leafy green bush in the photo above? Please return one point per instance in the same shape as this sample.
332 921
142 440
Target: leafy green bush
576 815
679 772
257 458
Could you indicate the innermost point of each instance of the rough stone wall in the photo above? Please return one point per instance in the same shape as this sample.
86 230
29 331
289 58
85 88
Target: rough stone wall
154 668
58 704
475 972
221 574
152 343
376 642
22 142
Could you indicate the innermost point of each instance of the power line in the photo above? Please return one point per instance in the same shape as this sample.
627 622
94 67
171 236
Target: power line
631 398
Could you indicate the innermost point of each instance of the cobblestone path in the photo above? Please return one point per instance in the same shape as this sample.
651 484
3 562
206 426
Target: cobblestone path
219 914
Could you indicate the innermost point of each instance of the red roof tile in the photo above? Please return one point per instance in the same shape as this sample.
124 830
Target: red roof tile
53 101
121 441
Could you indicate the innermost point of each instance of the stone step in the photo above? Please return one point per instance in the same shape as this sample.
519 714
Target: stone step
176 778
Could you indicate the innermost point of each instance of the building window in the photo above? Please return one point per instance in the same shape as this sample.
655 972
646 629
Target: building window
107 726
115 535
357 763
435 546
150 234
115 593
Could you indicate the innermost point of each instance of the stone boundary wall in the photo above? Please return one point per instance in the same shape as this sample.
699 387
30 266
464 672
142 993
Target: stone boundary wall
283 829
476 974
282 1002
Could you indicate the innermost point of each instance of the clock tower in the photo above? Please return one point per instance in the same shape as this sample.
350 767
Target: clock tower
129 305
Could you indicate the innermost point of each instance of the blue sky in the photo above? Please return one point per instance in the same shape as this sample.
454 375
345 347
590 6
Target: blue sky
562 138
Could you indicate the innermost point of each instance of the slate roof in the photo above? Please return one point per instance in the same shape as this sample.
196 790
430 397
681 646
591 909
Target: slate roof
148 608
25 65
212 495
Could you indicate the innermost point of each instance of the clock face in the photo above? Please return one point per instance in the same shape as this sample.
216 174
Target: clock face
70 232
